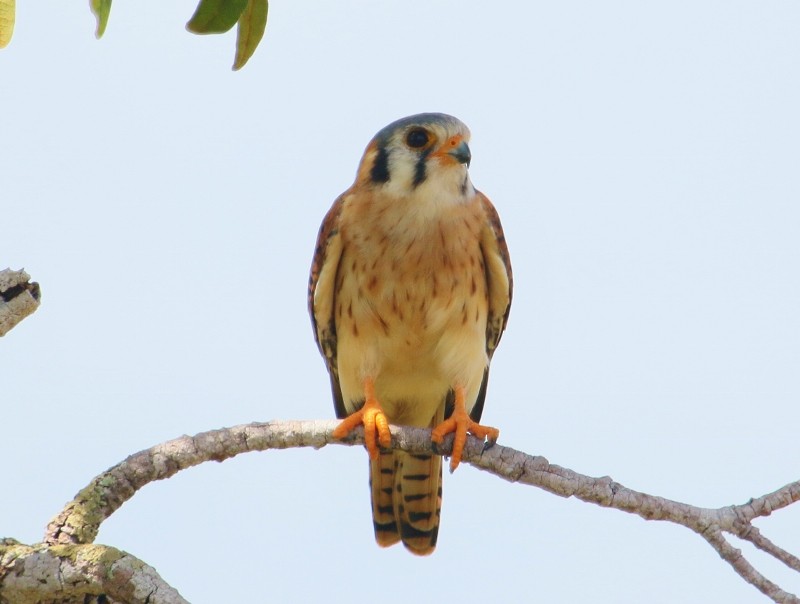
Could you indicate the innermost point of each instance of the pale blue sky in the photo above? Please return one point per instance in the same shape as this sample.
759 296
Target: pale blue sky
644 160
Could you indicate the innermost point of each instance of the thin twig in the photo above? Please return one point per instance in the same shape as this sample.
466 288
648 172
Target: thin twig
745 570
753 535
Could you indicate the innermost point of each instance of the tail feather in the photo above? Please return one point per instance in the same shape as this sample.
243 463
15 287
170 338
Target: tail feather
381 481
407 498
418 501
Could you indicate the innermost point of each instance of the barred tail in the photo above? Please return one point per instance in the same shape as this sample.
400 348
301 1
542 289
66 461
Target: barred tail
381 482
418 501
407 498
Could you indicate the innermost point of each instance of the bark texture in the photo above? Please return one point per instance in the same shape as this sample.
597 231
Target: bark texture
18 298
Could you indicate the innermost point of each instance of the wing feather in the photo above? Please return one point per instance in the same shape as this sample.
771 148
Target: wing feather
322 296
500 285
499 278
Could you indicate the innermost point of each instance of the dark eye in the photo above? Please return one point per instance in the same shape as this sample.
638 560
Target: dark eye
417 138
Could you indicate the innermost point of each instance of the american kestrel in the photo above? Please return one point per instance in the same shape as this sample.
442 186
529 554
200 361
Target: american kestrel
409 294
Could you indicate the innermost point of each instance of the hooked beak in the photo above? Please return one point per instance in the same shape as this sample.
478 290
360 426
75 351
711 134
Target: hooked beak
461 153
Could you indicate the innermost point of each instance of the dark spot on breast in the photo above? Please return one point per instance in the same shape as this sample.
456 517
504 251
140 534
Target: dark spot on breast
473 286
355 329
350 309
396 308
373 282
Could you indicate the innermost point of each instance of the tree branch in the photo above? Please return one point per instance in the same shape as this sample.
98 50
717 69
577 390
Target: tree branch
754 536
80 520
69 534
74 573
18 298
745 570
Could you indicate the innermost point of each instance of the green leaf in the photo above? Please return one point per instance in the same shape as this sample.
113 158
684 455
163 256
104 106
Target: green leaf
6 21
101 10
215 16
251 28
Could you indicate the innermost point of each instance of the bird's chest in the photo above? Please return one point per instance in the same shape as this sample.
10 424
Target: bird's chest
406 284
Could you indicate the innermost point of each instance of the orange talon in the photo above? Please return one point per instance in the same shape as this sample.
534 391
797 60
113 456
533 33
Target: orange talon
460 422
374 420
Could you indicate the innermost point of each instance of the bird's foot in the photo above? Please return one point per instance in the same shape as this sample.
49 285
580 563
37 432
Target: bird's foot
460 423
376 425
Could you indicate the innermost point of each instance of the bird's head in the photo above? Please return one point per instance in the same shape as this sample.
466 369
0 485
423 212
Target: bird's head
426 153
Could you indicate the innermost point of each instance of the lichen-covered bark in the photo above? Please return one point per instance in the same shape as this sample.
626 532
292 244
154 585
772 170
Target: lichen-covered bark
18 298
78 573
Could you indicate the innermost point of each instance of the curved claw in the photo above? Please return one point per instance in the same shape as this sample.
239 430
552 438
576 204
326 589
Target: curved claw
488 444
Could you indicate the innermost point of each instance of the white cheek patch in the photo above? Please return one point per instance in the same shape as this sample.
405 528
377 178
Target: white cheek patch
401 174
450 182
442 184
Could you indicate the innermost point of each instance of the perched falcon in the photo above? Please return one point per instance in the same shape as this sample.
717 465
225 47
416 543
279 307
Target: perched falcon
409 294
